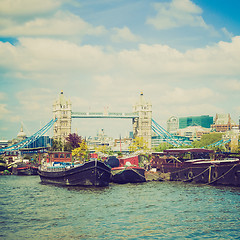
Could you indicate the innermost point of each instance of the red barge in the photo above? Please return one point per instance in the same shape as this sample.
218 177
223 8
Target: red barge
126 170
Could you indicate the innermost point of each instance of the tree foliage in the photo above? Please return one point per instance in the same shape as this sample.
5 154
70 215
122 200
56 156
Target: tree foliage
138 144
81 152
207 139
72 142
57 145
163 146
104 149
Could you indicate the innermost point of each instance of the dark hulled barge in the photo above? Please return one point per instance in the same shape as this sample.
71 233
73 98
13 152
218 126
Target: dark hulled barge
196 165
92 173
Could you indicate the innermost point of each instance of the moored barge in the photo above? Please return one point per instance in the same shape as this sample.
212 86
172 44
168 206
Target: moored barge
126 170
196 165
92 173
23 168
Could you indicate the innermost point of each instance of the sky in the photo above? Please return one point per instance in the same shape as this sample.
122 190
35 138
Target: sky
184 55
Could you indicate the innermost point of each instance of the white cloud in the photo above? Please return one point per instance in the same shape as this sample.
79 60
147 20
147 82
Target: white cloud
182 101
227 33
175 82
196 109
44 57
3 111
180 96
28 7
15 118
177 13
222 58
124 34
79 103
3 96
35 103
103 81
61 24
53 56
232 85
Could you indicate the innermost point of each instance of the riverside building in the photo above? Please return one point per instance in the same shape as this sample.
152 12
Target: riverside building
223 122
175 123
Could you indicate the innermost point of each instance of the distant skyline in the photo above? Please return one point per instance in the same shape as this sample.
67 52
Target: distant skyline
184 55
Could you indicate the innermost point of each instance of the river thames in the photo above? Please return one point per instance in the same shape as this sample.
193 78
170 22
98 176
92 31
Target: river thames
151 210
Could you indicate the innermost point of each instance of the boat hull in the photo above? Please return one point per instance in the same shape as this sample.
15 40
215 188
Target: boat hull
93 173
227 174
130 174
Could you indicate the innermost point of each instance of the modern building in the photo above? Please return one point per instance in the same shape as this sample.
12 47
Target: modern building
175 123
204 121
41 142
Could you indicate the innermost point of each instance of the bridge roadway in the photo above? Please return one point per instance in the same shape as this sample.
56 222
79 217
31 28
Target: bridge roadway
103 115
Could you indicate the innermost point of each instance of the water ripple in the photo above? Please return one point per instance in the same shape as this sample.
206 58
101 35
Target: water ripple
153 210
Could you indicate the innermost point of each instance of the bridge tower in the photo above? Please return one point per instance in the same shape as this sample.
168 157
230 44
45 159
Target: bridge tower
142 126
62 109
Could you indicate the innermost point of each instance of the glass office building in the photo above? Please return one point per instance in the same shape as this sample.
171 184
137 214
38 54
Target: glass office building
204 121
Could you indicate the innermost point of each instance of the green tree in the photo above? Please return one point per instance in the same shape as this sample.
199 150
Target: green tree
81 152
163 146
207 139
57 145
138 144
104 149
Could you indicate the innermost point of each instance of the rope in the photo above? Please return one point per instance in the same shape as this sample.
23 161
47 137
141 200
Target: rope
210 182
222 175
181 170
138 173
190 179
130 169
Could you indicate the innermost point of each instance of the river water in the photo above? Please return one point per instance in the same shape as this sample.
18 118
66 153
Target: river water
152 210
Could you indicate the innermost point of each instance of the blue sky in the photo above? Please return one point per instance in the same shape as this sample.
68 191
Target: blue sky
183 54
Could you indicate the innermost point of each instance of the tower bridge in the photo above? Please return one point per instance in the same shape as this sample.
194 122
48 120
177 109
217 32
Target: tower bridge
141 117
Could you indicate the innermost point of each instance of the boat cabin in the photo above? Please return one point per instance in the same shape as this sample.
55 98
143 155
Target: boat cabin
128 161
56 157
176 157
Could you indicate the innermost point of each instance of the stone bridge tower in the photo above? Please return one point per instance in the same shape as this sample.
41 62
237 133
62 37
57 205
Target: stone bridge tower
142 126
62 110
